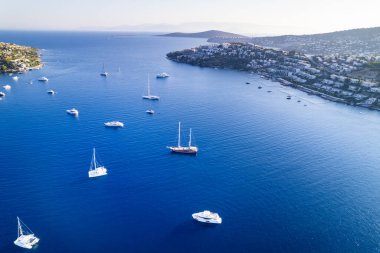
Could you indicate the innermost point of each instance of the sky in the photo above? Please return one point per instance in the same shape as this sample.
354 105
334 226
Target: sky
251 17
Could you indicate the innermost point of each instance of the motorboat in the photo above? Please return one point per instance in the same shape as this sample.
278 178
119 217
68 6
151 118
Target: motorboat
207 217
43 79
73 112
114 124
162 75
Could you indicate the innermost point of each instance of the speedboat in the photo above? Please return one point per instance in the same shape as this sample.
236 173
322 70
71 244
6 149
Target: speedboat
149 111
7 87
162 75
26 238
2 94
207 217
73 112
51 92
43 79
114 124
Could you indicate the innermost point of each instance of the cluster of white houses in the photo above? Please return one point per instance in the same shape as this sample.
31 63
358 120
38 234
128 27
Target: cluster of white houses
330 75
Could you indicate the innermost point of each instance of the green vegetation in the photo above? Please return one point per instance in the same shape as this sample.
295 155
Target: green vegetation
15 58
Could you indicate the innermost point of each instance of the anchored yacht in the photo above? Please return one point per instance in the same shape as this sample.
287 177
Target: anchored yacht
51 92
207 217
7 87
96 169
73 112
104 73
162 75
43 79
114 124
25 237
183 150
150 111
149 96
2 94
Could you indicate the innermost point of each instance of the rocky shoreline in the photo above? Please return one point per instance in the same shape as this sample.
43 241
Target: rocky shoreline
16 58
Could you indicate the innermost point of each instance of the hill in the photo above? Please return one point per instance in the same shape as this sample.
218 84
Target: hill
206 35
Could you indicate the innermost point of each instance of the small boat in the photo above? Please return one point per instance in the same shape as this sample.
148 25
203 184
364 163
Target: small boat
96 169
269 91
25 237
114 124
104 73
289 97
259 87
150 111
7 87
298 101
2 94
73 112
43 79
15 78
207 217
192 150
162 75
149 96
247 83
51 92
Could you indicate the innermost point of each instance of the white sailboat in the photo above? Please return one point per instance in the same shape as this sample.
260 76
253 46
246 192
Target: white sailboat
149 96
96 169
25 237
183 150
104 73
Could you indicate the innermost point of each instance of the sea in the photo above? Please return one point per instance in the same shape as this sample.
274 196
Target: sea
286 175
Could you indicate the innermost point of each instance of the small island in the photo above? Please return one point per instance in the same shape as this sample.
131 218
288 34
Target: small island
16 58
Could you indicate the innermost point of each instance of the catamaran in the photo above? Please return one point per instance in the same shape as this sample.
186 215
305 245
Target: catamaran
96 169
207 217
183 150
25 237
104 73
149 96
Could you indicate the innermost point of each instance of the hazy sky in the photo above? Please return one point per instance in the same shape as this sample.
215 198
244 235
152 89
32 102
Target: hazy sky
248 16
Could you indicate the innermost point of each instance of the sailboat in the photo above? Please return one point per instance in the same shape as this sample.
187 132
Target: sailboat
25 237
183 150
149 96
96 169
104 73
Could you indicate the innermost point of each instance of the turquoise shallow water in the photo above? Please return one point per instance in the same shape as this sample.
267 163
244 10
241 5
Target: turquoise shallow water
285 177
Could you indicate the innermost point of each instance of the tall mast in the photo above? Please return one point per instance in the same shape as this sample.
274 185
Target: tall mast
179 134
94 159
19 230
190 138
148 85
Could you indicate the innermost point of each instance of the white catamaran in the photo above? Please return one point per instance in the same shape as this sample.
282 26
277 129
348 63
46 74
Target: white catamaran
183 150
25 237
96 169
149 96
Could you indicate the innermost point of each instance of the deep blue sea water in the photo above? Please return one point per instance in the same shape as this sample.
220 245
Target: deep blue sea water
285 176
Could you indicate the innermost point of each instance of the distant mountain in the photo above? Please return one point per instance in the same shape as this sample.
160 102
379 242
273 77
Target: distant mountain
207 35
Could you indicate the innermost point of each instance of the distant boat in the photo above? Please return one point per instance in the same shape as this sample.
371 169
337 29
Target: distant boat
43 79
150 111
260 87
25 237
2 94
104 73
149 96
162 75
96 169
7 87
51 92
207 217
15 78
73 112
114 124
289 97
183 150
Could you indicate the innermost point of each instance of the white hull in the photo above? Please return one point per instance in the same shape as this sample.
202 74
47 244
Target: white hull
97 172
207 217
114 124
26 241
151 97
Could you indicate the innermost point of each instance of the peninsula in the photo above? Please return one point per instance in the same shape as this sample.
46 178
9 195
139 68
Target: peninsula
211 34
16 58
351 79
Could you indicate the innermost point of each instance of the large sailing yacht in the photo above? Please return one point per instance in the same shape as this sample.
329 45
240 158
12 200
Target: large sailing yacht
96 169
149 96
25 237
183 150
